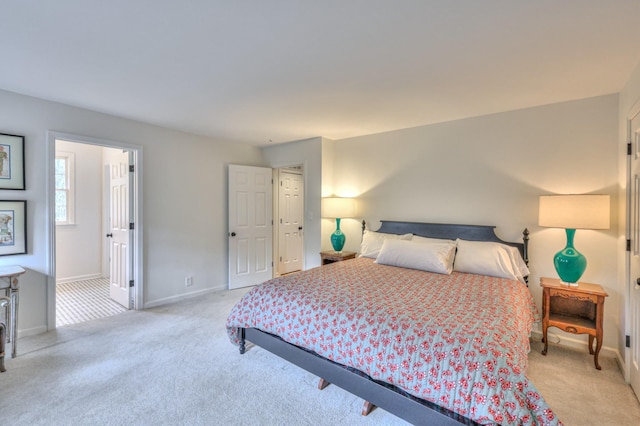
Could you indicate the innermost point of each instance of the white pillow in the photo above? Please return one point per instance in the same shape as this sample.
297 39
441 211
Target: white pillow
487 258
431 257
419 239
372 242
518 262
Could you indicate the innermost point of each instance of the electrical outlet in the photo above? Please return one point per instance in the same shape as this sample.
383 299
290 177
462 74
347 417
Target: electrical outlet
188 281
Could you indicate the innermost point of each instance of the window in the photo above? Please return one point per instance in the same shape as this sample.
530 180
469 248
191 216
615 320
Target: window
65 206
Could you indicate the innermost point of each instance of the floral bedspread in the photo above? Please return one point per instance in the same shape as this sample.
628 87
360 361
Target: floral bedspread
458 340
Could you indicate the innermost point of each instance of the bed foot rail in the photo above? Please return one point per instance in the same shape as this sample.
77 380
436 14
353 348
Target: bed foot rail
367 408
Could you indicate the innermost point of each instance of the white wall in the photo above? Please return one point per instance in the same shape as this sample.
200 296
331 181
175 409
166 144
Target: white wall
184 205
490 170
351 227
79 246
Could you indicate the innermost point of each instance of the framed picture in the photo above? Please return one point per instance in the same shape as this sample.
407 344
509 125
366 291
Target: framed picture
11 161
13 227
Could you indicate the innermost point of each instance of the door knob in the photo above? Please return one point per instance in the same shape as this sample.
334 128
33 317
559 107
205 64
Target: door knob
299 228
233 234
638 281
109 235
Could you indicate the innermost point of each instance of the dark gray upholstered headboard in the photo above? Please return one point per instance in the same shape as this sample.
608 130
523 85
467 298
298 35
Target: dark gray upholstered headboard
451 232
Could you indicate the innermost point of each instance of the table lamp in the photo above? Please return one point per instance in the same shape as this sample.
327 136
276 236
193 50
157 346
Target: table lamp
338 208
573 212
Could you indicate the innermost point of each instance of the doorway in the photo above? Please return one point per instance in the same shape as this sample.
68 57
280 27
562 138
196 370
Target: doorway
82 213
289 227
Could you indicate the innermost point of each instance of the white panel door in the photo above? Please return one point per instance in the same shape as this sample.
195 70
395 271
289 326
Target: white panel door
119 233
291 212
633 224
250 225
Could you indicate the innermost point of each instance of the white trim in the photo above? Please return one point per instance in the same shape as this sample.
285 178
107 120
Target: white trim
138 268
31 331
275 193
296 170
305 177
628 288
70 175
78 278
174 299
569 342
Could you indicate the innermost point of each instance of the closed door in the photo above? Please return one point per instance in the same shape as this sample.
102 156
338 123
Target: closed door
250 225
291 217
119 232
633 225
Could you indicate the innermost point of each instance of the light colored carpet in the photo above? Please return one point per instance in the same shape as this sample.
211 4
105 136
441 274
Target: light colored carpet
85 300
577 392
174 365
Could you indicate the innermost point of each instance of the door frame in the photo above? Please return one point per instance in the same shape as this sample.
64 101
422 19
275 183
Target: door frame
297 169
629 287
276 223
138 251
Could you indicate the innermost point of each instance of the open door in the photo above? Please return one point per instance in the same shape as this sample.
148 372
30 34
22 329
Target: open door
633 229
120 253
250 225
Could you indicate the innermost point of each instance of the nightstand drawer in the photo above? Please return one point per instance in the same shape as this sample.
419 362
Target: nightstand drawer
569 294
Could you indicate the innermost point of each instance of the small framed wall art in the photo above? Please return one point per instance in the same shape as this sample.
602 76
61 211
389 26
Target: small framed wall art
13 227
11 161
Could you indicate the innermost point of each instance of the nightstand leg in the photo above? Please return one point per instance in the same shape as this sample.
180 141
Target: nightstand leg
591 344
595 356
544 339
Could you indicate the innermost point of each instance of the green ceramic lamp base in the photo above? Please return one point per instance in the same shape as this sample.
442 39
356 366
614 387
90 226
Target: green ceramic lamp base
570 263
338 238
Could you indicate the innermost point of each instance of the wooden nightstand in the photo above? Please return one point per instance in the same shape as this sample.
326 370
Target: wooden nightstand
574 309
331 256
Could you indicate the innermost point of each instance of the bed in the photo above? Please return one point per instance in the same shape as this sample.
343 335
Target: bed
443 347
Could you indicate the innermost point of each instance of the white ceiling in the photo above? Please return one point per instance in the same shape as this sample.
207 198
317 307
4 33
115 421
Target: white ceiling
280 70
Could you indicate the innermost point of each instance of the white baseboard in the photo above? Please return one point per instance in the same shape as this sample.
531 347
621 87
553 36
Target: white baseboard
564 340
78 278
184 296
31 332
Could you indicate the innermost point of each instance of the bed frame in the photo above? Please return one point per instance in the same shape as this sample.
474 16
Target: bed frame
388 397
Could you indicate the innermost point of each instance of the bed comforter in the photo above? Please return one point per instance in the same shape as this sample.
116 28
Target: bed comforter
460 341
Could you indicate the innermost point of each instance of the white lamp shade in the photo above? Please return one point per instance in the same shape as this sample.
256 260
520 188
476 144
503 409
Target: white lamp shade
575 211
334 207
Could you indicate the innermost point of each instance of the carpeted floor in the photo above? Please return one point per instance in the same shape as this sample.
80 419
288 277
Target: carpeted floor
577 392
86 300
174 365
